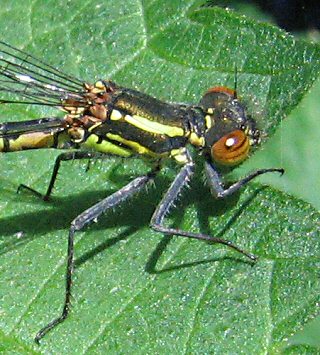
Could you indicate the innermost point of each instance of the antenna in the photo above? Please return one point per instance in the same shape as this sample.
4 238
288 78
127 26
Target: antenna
235 96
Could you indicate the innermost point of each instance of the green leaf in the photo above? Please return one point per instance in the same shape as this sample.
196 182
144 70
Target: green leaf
135 290
309 335
10 345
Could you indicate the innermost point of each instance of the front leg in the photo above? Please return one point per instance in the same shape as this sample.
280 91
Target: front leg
216 185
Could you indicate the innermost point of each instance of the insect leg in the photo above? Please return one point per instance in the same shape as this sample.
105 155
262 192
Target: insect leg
75 155
77 224
216 185
168 200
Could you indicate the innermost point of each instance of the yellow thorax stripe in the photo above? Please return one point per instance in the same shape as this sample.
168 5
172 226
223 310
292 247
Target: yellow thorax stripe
133 145
104 146
154 127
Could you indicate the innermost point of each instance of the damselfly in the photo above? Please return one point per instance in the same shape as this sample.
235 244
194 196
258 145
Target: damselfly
105 118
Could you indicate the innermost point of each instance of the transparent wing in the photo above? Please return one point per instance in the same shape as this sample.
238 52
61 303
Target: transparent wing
26 79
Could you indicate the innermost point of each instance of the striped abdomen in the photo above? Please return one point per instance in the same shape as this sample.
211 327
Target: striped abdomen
33 134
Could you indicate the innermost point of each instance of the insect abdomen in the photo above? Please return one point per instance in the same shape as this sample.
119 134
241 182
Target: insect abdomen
33 134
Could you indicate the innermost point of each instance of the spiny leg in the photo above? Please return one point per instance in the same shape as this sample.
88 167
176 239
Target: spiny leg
216 184
168 200
76 155
77 224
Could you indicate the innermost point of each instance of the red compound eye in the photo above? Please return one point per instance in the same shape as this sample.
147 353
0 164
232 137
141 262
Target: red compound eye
223 89
231 149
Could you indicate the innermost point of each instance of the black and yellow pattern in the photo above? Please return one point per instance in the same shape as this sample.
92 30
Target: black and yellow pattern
136 123
105 118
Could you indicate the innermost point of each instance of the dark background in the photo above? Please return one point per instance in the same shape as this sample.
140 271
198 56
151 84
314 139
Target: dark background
293 15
